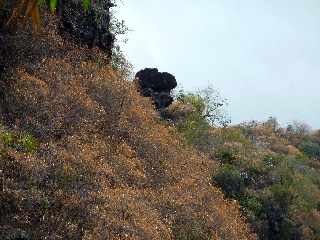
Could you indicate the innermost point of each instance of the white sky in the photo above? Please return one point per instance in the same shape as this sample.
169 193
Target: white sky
262 55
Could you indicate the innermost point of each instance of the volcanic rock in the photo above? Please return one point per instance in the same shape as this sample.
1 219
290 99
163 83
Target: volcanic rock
157 85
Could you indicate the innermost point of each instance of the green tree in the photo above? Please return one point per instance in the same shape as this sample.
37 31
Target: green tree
199 113
208 105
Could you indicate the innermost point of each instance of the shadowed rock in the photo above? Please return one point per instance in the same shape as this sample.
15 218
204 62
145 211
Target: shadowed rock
90 27
157 85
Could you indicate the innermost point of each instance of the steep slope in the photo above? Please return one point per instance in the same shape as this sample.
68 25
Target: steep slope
105 167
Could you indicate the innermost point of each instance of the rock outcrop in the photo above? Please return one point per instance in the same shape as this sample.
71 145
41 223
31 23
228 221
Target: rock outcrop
157 85
92 26
86 26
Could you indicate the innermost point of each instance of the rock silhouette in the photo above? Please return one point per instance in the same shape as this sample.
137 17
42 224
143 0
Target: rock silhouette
157 85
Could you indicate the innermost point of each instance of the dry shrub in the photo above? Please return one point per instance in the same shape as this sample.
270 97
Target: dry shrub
292 150
105 167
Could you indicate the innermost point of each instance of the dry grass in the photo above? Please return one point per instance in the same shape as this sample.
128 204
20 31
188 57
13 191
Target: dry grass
105 167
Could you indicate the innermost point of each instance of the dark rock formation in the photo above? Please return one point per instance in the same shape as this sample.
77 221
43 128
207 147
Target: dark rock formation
91 27
157 85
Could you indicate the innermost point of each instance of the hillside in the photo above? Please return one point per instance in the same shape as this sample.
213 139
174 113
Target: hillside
84 156
274 174
271 170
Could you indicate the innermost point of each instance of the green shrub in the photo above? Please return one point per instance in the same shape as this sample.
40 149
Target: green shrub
234 134
225 155
277 209
23 142
8 139
255 171
252 204
310 148
208 105
229 179
281 196
28 142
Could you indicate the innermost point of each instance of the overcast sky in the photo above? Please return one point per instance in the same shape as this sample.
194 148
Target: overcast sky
262 55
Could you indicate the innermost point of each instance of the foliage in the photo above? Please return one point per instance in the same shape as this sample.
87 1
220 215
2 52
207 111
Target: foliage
104 168
268 169
252 205
24 142
274 186
229 179
8 139
226 155
310 148
28 142
207 104
195 114
271 171
120 63
30 9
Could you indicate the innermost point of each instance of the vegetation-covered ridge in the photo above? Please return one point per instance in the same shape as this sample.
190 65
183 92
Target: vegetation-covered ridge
84 156
273 172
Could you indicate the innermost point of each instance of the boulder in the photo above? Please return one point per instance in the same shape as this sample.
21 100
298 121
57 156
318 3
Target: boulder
157 85
157 81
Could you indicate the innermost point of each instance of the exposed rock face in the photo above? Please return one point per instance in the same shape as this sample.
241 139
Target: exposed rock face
91 27
156 85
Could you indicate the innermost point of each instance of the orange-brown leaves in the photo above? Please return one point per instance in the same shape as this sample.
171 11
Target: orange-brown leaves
24 10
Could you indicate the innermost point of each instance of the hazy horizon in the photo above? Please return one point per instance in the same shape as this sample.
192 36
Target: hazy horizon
263 56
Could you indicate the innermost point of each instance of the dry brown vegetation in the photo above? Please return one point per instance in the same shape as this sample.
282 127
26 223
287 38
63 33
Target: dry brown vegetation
105 166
